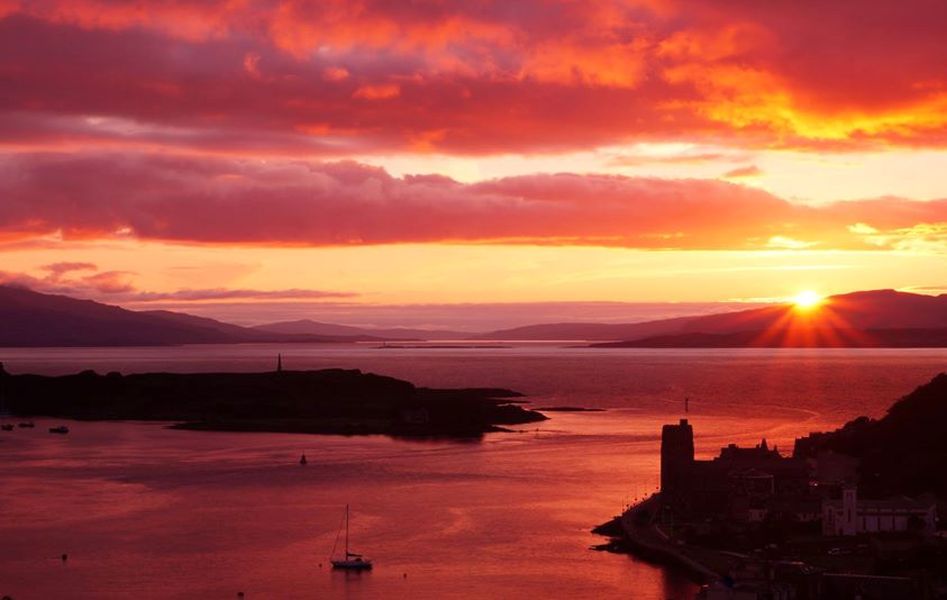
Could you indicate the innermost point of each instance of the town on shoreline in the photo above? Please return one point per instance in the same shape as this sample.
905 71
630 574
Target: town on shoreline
849 514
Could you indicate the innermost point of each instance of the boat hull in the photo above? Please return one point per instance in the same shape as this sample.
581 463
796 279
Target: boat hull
352 565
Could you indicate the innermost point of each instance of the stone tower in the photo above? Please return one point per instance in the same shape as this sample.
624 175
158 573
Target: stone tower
677 457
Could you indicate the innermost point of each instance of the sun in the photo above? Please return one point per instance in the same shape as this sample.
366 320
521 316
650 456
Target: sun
806 300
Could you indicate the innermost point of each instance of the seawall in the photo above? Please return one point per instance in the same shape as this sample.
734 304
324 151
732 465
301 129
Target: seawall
645 538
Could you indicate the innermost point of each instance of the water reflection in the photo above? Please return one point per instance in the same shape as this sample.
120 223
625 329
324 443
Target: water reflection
147 512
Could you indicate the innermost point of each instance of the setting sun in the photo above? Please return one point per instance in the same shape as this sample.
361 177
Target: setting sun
570 248
807 299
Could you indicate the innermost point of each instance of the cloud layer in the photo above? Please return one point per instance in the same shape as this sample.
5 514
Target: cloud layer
346 77
84 280
236 201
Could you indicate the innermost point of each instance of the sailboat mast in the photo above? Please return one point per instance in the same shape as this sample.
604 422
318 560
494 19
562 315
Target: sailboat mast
346 531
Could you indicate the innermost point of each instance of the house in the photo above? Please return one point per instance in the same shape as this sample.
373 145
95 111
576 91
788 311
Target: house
852 516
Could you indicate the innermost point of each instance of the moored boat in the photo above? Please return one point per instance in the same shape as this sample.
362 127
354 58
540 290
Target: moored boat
351 561
61 429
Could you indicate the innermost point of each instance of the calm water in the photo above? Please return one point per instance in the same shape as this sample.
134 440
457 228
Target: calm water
146 512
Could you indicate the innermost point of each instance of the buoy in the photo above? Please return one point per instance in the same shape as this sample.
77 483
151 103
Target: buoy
64 557
239 594
302 460
405 575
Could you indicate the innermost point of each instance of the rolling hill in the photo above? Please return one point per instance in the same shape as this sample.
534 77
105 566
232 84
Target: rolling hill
904 452
32 319
879 318
310 327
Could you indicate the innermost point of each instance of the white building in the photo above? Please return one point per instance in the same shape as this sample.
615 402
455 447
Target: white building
851 516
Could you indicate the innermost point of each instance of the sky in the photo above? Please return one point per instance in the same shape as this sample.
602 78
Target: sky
540 159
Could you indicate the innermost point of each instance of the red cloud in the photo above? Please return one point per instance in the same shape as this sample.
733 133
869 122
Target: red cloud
229 201
377 92
471 77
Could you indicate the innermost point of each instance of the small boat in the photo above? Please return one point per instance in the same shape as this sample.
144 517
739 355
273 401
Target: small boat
7 427
26 425
61 429
352 561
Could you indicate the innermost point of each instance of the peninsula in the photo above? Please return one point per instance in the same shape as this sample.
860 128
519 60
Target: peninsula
330 401
850 511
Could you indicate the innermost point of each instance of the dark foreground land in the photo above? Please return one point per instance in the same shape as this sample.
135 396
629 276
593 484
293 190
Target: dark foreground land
897 466
331 401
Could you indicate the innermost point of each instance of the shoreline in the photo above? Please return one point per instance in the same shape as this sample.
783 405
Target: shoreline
637 534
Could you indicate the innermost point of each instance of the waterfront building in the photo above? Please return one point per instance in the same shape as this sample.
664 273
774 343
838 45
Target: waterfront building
851 515
740 482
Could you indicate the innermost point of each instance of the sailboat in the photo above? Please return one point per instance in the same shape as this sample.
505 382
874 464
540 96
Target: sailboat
352 561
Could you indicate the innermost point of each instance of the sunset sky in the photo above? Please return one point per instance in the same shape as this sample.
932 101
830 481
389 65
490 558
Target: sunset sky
255 159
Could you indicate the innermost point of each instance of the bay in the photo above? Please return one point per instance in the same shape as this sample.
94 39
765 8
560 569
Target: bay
148 512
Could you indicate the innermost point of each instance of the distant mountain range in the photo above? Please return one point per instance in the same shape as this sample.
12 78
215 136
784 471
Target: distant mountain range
309 327
589 331
881 318
29 318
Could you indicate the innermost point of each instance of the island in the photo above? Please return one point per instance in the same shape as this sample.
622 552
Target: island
329 401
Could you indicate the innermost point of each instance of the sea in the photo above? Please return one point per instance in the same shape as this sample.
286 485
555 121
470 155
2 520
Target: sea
143 511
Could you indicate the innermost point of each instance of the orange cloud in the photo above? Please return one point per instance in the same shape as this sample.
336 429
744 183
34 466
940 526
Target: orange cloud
57 270
245 75
226 201
741 172
634 160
